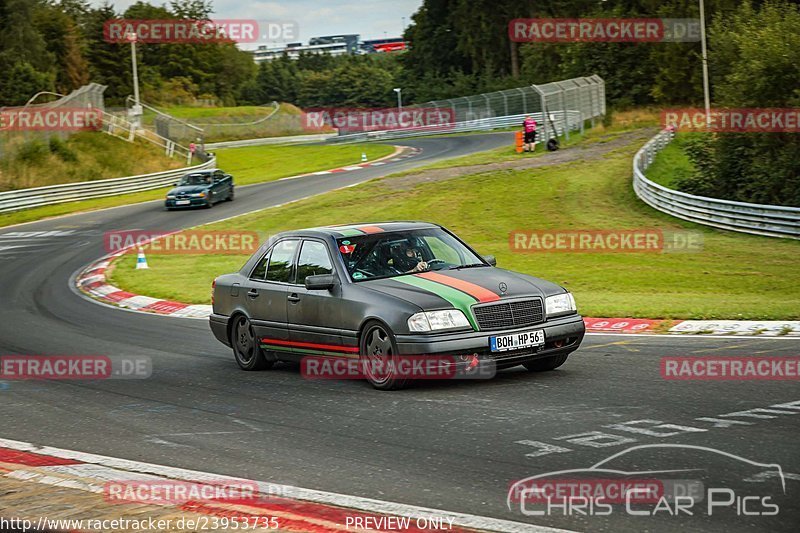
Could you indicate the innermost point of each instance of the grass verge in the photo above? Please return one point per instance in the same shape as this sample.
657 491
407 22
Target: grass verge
248 165
84 156
254 164
672 165
735 276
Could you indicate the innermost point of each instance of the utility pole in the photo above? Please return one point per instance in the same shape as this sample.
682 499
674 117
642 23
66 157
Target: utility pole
136 111
706 92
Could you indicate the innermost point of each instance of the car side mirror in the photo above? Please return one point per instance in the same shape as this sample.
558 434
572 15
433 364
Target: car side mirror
322 282
492 260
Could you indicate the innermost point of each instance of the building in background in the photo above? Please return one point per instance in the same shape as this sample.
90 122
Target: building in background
396 44
335 45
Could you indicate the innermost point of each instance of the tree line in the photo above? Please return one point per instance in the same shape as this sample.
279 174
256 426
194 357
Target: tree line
457 48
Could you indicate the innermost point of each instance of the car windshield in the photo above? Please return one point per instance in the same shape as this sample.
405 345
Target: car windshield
390 254
196 179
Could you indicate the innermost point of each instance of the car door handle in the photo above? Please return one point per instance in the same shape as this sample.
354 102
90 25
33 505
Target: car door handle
252 293
293 298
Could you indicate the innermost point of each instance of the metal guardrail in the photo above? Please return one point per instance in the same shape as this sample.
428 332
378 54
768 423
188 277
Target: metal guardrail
758 219
72 192
294 139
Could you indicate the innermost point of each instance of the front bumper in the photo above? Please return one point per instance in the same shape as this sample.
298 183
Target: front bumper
193 202
562 335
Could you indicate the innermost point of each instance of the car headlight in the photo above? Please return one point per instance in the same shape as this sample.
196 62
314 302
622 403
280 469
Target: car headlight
560 304
170 197
435 320
198 195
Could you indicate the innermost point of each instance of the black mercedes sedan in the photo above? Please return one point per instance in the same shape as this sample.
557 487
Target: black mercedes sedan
202 188
379 293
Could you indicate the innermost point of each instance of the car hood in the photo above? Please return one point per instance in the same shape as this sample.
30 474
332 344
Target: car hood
462 288
188 189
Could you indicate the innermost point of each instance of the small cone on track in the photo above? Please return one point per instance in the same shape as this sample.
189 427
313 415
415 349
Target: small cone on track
141 260
363 157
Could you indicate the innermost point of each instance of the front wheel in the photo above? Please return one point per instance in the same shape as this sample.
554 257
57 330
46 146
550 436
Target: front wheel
246 350
230 196
546 363
379 357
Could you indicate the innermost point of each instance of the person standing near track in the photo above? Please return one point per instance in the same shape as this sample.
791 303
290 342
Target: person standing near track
529 130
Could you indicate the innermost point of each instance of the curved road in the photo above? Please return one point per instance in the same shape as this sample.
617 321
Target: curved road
454 446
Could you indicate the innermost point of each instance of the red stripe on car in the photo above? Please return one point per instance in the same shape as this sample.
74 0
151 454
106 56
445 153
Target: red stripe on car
481 294
370 229
313 346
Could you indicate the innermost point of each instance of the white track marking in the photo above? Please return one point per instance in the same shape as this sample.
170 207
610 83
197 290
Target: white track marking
103 468
639 336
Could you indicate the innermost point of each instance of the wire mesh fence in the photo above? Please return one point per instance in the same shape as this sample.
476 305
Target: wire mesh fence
559 107
586 96
88 97
273 120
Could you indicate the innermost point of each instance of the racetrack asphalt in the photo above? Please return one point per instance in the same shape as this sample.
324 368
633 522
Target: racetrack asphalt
449 445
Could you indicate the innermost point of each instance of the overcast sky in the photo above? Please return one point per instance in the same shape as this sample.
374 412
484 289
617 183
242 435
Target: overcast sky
372 19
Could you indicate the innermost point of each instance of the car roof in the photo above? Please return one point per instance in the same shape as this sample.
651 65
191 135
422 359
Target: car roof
355 230
202 171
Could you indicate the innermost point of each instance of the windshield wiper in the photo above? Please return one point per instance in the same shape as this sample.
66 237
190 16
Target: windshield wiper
473 265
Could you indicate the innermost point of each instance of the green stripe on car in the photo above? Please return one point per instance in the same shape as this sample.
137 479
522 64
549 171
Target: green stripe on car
461 301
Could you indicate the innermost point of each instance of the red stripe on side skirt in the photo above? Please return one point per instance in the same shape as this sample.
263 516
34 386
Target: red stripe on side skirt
314 346
482 294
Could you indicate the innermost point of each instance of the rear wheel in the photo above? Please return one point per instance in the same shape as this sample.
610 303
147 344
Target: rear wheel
378 355
546 363
246 350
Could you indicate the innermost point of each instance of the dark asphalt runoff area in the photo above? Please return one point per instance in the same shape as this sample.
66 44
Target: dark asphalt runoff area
456 445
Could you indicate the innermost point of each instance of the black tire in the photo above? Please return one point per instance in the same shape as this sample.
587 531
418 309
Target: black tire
546 363
377 353
246 351
230 196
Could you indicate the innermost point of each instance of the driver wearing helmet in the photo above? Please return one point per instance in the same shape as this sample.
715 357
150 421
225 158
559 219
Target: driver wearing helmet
408 259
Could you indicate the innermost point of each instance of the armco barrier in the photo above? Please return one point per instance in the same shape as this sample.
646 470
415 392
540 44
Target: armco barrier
294 139
72 192
759 219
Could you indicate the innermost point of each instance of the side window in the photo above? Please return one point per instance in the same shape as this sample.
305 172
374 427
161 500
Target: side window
313 261
280 263
218 175
260 271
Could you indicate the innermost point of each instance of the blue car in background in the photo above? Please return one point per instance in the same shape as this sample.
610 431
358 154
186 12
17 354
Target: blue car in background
203 188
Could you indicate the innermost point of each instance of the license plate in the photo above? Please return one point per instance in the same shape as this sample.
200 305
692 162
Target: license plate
183 202
517 341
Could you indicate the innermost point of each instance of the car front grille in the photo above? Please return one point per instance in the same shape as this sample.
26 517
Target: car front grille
507 315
